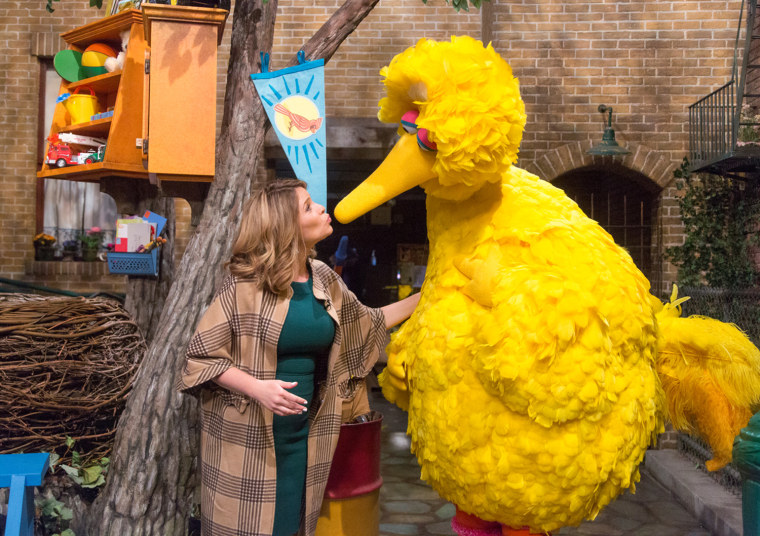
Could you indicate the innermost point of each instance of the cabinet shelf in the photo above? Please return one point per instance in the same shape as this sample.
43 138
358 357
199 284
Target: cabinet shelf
106 29
122 91
103 83
98 128
93 172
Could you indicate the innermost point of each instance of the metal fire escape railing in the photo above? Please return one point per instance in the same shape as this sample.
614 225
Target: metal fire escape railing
711 131
715 121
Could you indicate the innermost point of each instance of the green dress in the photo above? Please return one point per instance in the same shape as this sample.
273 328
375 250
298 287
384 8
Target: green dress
302 349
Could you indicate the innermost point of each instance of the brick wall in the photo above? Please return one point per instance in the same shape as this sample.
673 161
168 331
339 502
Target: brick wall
648 60
81 277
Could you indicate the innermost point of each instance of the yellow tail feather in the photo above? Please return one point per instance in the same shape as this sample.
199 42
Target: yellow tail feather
710 372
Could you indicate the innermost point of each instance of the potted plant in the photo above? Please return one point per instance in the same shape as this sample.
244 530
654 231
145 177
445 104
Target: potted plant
43 247
70 248
91 242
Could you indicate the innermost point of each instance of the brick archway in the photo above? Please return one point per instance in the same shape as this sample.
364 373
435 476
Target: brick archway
648 162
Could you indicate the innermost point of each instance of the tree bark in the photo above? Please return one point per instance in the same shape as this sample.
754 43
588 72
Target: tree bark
153 467
146 295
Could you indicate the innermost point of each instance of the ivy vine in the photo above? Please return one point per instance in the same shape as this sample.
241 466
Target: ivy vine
720 217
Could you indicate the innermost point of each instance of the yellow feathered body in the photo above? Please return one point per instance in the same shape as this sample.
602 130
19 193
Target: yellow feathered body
530 366
530 358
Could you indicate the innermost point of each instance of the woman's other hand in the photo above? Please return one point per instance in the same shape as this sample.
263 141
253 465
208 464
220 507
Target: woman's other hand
273 395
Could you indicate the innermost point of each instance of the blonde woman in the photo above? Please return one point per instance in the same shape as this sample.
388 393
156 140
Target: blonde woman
279 359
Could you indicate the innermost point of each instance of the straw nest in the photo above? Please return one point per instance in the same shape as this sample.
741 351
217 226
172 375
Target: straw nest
66 367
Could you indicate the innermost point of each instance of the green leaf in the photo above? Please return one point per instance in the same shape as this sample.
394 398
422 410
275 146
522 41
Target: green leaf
68 532
76 459
49 506
718 215
91 474
69 441
73 473
67 514
99 482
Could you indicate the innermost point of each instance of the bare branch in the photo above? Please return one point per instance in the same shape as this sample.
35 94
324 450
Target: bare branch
338 27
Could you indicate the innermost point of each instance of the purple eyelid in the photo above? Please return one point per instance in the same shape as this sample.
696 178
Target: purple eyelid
424 141
409 121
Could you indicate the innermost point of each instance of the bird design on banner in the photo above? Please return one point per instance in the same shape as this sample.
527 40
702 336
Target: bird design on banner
300 122
294 101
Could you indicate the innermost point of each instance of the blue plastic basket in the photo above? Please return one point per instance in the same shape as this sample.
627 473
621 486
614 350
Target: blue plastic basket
133 263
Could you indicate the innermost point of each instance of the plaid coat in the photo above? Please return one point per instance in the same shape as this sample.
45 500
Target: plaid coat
241 328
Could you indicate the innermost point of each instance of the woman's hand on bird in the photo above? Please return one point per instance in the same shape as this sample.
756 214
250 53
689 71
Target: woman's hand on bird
273 395
397 312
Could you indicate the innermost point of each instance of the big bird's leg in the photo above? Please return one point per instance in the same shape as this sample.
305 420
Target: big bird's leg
509 531
465 524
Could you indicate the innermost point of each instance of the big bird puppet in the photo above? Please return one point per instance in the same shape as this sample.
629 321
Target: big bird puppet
537 367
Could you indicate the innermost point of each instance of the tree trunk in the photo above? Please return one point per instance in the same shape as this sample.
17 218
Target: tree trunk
153 466
146 295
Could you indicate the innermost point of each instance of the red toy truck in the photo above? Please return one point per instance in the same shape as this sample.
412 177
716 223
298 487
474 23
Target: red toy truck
59 154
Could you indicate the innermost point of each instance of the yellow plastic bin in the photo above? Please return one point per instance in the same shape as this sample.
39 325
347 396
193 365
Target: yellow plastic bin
351 506
82 107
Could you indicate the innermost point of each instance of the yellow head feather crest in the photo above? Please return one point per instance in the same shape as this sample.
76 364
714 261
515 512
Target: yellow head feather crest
470 103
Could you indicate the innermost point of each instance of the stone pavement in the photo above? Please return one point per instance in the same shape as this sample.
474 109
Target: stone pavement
409 506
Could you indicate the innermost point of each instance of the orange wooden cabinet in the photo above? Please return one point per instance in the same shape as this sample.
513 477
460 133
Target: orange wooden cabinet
164 116
182 90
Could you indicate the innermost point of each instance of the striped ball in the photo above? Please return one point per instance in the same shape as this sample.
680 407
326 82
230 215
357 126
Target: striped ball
94 57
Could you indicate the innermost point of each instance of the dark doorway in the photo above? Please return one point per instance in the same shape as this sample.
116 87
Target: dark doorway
624 203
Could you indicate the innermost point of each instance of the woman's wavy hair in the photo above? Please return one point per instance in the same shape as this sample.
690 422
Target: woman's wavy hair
269 244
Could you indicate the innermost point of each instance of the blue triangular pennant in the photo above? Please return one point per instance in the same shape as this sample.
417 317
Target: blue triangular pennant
294 99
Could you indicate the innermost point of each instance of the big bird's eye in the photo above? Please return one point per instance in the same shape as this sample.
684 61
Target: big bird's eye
409 124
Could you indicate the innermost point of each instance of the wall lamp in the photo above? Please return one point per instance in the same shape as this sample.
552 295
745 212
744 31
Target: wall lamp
608 145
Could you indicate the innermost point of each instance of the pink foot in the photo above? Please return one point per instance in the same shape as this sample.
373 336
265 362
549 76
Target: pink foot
465 524
463 530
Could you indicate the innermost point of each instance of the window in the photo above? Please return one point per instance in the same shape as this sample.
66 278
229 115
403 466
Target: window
66 208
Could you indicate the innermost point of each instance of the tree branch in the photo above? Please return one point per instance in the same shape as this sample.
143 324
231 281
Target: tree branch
338 27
